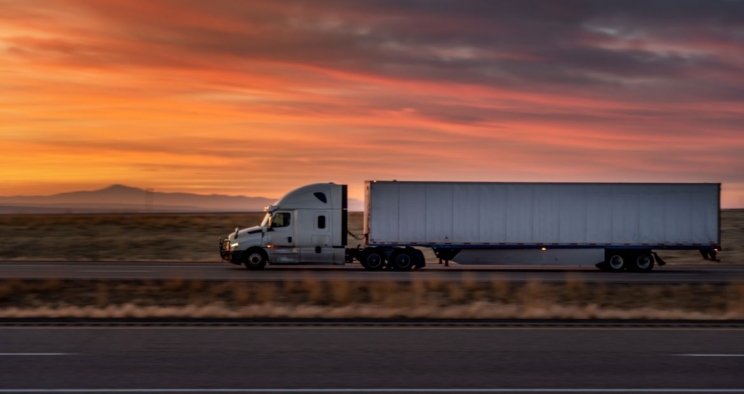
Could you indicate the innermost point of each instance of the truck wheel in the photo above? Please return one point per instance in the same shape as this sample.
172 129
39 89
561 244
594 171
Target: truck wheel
402 260
616 262
373 259
643 262
255 259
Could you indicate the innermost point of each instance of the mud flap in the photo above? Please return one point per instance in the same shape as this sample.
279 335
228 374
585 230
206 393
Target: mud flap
658 259
420 259
710 254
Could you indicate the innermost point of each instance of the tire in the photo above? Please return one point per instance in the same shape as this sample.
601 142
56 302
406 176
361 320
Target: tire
373 260
402 260
616 262
255 259
642 262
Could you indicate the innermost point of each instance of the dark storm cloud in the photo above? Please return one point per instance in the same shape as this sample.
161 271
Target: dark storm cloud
630 51
592 47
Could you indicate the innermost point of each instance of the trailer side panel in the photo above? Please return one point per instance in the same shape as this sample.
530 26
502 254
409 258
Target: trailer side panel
515 215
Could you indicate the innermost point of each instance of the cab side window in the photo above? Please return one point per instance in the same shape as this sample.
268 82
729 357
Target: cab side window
280 219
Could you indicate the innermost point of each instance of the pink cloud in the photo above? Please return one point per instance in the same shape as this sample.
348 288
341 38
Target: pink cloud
257 98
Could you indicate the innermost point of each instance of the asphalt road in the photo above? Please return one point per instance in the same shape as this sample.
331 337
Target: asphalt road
225 271
384 359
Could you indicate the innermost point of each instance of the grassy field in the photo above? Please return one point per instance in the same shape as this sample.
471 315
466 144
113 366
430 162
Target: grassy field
194 237
344 299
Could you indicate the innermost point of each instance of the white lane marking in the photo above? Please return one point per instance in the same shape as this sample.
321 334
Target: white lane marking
70 266
28 265
710 355
73 265
362 390
364 328
114 271
36 354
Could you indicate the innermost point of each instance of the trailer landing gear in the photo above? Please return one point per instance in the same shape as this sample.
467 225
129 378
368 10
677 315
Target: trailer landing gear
445 254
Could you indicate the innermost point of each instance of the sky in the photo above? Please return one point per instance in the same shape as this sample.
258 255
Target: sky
260 97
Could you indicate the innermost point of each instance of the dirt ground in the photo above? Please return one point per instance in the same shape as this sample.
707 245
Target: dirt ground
179 237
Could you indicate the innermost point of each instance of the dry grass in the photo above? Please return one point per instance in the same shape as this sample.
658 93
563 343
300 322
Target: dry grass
341 290
343 299
479 310
119 237
124 237
193 237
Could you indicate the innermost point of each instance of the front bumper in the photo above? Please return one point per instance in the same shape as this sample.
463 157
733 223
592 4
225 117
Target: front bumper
226 252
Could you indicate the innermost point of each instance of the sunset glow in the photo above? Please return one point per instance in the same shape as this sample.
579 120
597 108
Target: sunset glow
255 98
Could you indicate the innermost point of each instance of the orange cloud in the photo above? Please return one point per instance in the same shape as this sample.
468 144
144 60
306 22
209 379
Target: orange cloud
257 98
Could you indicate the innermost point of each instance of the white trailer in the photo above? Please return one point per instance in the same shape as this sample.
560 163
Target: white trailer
616 226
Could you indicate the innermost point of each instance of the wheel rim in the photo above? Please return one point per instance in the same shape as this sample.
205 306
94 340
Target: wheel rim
643 262
374 260
403 261
255 259
616 262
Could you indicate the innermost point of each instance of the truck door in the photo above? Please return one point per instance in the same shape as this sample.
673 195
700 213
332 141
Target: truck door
281 238
320 249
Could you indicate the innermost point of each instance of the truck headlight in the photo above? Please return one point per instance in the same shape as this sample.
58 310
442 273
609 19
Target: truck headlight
234 245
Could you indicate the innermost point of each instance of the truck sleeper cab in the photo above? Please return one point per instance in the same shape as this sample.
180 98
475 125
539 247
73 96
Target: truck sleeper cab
615 226
307 225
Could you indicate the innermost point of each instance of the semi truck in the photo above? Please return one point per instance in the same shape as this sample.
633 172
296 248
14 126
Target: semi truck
614 226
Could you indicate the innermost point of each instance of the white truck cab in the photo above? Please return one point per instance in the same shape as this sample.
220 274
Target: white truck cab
307 225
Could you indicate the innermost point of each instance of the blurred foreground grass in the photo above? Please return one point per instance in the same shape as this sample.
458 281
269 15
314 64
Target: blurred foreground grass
194 237
343 299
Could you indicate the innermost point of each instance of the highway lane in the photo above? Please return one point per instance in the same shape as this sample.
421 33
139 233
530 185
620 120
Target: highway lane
224 271
385 359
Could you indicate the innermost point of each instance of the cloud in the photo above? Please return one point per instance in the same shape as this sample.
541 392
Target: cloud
258 97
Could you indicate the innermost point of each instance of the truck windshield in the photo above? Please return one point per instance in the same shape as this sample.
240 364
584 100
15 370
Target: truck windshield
265 221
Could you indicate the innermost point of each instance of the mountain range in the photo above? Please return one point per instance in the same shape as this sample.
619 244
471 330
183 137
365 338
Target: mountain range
120 198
